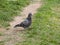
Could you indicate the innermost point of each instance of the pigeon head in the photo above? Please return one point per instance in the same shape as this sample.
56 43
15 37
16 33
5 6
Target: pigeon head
29 16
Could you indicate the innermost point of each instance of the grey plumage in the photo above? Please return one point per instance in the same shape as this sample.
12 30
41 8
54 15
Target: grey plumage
26 23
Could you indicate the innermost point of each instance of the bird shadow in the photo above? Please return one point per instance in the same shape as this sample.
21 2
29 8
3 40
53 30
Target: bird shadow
29 28
26 29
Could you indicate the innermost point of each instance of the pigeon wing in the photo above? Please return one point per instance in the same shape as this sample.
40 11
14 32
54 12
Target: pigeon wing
26 22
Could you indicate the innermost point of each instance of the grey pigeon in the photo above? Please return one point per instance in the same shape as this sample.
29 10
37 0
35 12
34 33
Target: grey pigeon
26 23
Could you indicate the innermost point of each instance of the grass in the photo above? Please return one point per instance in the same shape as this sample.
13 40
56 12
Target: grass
1 34
1 42
9 9
46 25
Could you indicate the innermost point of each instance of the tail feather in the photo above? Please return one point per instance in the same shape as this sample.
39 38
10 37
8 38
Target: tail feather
16 26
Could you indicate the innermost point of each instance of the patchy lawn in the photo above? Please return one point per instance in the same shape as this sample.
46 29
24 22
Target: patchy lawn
9 9
46 25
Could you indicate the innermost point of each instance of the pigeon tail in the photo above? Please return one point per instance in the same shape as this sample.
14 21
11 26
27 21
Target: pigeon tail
16 26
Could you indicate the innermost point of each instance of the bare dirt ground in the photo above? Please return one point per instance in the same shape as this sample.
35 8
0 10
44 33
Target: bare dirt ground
11 36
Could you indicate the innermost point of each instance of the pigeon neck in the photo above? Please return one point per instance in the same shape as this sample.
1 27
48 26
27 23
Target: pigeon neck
29 18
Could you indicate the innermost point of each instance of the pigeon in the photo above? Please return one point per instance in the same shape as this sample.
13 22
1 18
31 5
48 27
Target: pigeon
26 23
